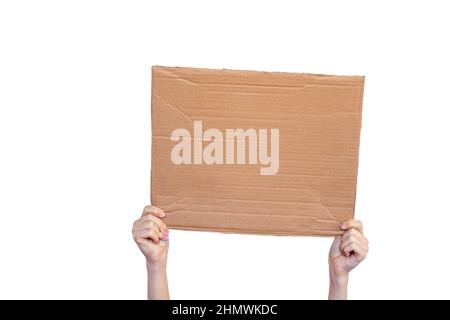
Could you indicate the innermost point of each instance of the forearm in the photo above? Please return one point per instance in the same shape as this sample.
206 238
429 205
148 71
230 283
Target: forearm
338 287
157 288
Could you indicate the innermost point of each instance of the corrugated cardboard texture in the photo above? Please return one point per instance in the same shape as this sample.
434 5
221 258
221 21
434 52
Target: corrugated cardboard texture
319 121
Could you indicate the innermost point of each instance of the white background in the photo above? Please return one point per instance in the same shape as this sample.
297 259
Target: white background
75 144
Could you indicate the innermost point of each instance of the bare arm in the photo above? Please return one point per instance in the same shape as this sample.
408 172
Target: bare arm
346 253
152 238
157 287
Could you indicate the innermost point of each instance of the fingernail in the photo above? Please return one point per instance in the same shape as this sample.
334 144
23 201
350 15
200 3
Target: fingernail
165 237
343 226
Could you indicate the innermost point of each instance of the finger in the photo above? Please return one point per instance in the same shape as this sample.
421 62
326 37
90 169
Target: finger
349 241
148 233
360 252
354 249
356 224
149 217
158 212
161 225
335 247
148 223
352 235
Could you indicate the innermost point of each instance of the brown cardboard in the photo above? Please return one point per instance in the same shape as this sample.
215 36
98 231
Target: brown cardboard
319 121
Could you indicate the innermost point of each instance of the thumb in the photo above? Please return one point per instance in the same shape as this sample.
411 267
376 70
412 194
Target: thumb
335 250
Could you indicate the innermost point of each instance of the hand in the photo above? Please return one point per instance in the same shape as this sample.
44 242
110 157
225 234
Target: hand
349 250
152 238
152 235
346 253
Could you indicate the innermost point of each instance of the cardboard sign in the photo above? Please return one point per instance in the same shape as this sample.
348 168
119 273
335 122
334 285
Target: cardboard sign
255 152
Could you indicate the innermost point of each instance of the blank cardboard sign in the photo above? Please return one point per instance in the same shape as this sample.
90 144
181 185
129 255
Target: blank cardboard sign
255 152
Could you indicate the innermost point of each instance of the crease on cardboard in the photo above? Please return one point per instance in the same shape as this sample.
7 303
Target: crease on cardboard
173 75
178 205
248 200
222 212
171 72
248 93
316 232
174 106
308 85
327 210
324 185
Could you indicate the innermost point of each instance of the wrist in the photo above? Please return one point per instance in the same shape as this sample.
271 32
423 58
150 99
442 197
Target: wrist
340 280
338 287
338 275
158 266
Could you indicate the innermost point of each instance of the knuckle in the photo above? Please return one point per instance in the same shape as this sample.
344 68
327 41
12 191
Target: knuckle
161 225
154 210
